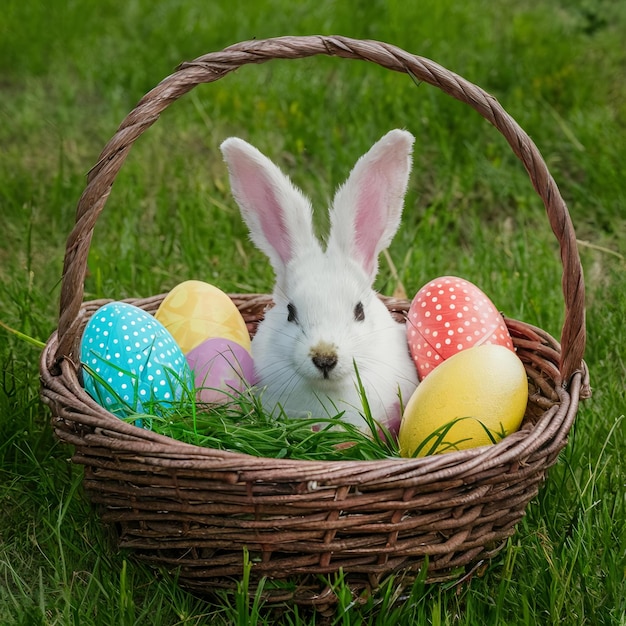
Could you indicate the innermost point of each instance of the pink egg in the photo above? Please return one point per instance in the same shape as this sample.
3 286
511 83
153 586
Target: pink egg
448 315
222 369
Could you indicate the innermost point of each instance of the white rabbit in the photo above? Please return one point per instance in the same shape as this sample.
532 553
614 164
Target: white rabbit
327 323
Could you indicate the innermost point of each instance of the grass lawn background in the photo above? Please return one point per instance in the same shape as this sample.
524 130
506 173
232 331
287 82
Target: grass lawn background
71 71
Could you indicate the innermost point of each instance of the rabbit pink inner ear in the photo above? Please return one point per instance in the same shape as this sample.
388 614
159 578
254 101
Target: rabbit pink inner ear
367 208
260 191
369 223
269 215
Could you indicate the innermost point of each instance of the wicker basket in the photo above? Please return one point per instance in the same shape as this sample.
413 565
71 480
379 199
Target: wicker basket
194 509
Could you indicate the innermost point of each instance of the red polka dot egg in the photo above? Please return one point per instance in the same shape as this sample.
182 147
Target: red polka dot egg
448 315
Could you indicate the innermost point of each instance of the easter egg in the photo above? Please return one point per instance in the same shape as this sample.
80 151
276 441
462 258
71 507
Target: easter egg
475 395
222 369
131 363
195 311
448 315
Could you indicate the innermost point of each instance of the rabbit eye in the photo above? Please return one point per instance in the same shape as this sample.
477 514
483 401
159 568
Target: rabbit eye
292 314
359 313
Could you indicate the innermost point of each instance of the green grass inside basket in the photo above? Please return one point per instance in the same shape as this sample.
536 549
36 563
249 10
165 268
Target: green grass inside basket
241 424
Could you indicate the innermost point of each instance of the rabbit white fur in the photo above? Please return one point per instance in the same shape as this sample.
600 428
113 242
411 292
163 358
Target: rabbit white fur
326 318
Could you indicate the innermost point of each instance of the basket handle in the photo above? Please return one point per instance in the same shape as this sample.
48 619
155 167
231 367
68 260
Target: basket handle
213 66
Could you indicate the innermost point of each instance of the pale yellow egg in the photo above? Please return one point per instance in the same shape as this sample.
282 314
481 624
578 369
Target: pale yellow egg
195 311
471 399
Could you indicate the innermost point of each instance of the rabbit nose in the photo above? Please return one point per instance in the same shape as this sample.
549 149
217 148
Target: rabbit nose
325 363
324 357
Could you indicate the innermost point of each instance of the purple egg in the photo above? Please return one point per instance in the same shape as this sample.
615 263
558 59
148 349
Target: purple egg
222 369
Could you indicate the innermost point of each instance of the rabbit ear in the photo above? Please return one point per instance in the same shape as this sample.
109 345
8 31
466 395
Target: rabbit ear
367 208
278 215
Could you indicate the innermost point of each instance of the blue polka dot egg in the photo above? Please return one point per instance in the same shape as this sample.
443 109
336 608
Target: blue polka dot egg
131 363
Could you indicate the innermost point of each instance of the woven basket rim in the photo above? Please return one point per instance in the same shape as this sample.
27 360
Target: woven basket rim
128 438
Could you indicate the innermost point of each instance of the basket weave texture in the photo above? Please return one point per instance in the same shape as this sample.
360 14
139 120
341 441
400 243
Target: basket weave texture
193 509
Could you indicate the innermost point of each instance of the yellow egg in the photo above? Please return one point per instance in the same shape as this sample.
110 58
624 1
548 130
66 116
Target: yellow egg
484 387
195 311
